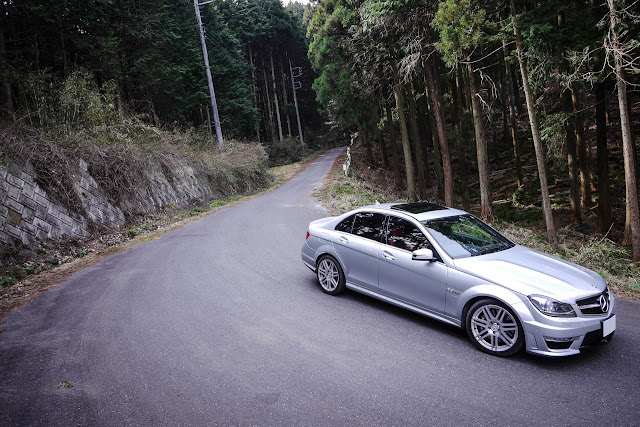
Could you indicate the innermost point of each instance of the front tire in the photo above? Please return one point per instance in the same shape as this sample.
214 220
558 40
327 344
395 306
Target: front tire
494 328
330 275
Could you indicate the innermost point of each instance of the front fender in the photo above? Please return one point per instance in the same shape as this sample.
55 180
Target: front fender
463 289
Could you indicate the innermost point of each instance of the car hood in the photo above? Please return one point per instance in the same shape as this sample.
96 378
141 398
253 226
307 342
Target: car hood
530 272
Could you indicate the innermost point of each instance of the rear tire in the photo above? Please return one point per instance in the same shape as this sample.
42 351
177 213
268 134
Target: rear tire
330 275
494 328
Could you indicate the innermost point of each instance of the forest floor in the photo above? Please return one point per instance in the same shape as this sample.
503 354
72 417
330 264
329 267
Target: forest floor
522 223
22 282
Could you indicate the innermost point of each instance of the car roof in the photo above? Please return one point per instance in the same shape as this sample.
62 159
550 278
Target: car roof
422 211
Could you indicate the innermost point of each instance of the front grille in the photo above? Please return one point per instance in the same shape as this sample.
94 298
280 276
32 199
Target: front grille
593 306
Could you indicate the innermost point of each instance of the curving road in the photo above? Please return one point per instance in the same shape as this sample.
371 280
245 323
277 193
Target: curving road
220 323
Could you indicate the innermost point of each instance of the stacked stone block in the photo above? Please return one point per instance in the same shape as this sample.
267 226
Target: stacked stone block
29 217
95 201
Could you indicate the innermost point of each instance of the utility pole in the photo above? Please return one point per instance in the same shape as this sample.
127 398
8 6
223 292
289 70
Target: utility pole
296 85
212 93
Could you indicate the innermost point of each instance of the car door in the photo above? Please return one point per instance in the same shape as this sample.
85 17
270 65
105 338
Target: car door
420 283
358 247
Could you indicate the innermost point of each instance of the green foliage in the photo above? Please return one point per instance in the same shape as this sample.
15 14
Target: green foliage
73 103
288 151
132 232
553 133
460 24
8 281
75 62
518 197
32 268
53 260
221 202
138 229
191 212
80 253
526 216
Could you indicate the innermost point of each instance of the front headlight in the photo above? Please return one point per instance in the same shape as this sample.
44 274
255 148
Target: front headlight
551 307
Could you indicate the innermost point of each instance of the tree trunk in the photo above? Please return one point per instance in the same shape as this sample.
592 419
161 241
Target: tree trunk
433 82
364 135
36 52
602 159
633 218
537 142
380 138
513 129
572 161
394 144
583 153
4 75
461 136
416 142
516 90
481 149
253 86
430 124
383 148
268 102
275 96
422 118
119 97
437 159
63 49
285 101
404 133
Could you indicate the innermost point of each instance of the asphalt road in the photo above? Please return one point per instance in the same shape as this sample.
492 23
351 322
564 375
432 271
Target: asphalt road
220 323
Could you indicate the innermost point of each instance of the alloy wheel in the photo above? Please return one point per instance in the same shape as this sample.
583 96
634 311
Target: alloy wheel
494 328
328 275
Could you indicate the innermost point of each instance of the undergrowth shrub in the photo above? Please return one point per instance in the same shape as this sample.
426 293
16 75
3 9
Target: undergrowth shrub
289 150
73 103
75 119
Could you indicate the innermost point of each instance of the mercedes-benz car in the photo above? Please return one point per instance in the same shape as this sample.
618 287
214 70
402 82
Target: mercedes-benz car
449 265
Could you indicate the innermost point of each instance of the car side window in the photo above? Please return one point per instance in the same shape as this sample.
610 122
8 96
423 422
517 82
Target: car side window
368 225
346 224
402 234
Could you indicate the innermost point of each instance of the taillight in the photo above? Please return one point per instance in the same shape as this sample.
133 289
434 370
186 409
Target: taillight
307 236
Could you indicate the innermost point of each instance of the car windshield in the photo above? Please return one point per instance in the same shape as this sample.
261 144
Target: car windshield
464 236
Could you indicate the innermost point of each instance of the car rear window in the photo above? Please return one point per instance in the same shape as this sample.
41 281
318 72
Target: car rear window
368 225
346 224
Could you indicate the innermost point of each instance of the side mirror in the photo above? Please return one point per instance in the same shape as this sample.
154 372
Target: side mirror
422 255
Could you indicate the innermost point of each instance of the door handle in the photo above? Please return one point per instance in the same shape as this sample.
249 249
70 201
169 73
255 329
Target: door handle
344 240
388 255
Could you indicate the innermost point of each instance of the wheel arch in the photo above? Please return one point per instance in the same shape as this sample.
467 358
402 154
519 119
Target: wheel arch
326 250
503 296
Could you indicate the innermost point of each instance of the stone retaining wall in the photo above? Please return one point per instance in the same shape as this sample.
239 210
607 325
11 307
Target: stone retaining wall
29 217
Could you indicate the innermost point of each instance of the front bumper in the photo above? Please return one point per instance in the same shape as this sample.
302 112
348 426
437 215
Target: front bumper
553 337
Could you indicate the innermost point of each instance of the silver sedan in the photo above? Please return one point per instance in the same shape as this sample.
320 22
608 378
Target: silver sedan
447 264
